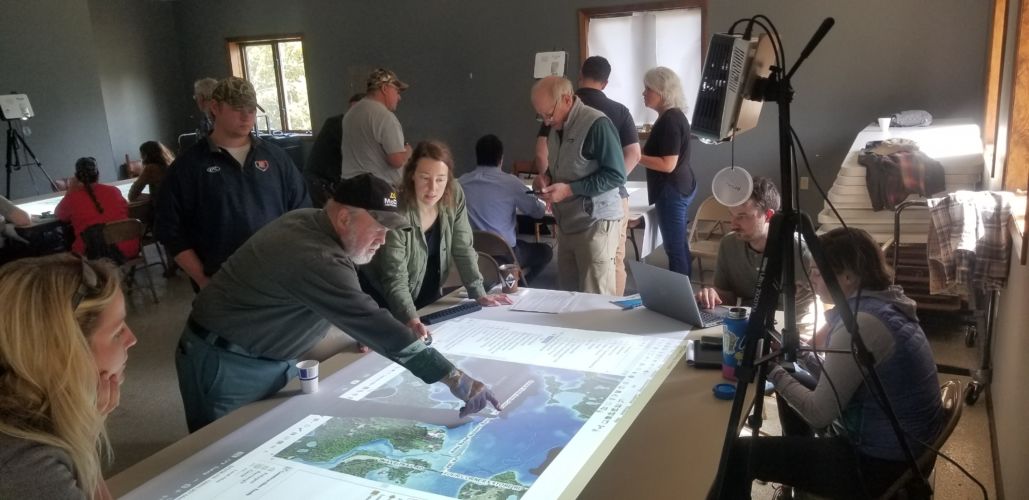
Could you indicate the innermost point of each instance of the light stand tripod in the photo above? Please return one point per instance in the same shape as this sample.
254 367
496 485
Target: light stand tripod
15 142
777 278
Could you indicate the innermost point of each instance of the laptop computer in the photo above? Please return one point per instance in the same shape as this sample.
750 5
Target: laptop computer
671 294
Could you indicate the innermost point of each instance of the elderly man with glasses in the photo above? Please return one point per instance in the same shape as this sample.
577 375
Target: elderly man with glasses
585 170
373 141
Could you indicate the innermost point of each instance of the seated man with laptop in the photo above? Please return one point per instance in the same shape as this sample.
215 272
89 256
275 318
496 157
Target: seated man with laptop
740 254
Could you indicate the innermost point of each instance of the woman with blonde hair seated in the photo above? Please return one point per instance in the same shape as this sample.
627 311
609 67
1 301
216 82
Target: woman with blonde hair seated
409 271
63 348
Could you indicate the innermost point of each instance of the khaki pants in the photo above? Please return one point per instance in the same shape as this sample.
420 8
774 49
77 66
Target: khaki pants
586 260
620 252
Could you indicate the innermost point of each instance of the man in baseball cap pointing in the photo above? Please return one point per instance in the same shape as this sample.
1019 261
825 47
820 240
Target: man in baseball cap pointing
274 299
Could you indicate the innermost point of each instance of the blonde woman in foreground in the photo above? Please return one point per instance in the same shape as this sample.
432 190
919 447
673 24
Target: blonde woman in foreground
63 348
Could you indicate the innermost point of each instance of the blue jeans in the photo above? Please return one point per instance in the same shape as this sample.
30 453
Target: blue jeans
673 218
214 382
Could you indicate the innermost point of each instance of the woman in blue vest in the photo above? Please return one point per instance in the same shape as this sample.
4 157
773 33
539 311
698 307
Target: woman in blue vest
666 155
857 454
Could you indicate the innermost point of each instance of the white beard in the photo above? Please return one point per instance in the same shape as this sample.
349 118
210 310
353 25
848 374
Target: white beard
361 260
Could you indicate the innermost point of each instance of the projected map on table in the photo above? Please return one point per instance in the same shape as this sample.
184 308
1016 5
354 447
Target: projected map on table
375 431
490 458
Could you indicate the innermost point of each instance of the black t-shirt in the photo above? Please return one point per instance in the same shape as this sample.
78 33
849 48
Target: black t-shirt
430 291
669 137
325 161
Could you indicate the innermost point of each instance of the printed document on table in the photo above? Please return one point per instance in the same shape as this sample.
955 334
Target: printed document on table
545 301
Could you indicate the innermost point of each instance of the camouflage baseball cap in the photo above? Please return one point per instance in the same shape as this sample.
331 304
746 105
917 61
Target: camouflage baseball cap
235 91
383 76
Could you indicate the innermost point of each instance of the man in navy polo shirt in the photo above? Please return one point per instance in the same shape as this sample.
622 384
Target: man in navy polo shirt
224 188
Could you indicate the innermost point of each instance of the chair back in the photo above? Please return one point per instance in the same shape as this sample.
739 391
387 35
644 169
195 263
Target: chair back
122 230
142 211
493 245
953 404
711 222
490 271
523 168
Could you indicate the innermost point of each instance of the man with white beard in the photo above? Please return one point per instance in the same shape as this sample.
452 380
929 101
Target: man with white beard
275 297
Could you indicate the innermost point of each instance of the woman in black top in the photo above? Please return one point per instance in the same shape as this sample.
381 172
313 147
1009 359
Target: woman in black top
670 182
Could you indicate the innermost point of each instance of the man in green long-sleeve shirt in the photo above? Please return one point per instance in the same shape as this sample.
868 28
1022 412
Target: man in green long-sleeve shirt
586 168
275 297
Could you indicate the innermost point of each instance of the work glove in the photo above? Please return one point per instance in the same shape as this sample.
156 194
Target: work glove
475 394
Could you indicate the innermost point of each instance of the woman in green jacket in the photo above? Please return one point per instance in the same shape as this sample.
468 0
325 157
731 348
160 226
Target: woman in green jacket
413 264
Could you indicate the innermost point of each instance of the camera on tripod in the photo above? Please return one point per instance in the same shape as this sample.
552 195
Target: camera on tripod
15 107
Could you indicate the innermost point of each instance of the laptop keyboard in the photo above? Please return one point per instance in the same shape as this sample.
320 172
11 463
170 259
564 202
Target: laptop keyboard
710 319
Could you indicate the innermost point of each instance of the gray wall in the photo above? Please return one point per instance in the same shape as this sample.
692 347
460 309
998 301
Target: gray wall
102 75
48 52
145 97
469 64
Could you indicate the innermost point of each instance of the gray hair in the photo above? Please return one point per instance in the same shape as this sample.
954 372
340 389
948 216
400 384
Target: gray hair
204 87
556 86
667 84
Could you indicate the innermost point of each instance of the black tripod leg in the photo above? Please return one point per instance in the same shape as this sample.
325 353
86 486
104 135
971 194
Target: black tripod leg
761 318
35 161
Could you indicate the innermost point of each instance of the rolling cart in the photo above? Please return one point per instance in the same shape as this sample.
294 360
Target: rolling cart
911 270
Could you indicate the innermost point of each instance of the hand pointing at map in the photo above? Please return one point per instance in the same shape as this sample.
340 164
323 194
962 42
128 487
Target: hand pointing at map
475 394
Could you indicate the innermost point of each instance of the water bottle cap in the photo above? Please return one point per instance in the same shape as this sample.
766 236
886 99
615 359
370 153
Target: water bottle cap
737 313
725 391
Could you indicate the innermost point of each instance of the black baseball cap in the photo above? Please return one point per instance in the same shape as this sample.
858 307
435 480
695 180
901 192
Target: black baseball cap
373 194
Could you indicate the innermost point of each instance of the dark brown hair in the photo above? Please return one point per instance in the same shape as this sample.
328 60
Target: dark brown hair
155 153
765 195
852 249
433 150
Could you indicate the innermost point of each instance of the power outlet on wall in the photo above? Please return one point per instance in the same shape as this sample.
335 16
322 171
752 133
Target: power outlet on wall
803 183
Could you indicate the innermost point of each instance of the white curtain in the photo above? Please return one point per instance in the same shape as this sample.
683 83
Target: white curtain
636 43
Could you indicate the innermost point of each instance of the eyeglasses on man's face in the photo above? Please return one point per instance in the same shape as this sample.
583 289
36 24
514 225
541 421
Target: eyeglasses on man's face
549 117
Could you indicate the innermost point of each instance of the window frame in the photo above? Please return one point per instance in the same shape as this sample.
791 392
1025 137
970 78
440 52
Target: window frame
589 13
237 62
1006 75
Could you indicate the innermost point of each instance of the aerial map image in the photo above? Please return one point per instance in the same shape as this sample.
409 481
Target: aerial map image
489 456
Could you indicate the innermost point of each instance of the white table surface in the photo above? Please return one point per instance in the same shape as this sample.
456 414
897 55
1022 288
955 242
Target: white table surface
36 205
639 206
670 450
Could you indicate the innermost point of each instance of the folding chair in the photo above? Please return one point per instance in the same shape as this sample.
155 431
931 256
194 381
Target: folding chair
143 211
493 245
127 230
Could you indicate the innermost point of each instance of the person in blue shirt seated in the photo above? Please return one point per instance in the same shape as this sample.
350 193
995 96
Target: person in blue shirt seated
494 197
856 454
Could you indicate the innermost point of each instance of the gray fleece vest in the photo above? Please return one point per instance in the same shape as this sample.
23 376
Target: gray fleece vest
578 213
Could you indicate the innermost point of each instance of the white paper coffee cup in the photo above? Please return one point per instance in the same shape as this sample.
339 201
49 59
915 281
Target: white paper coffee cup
308 375
884 124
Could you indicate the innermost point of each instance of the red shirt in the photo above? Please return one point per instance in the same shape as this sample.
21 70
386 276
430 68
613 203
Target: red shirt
77 208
